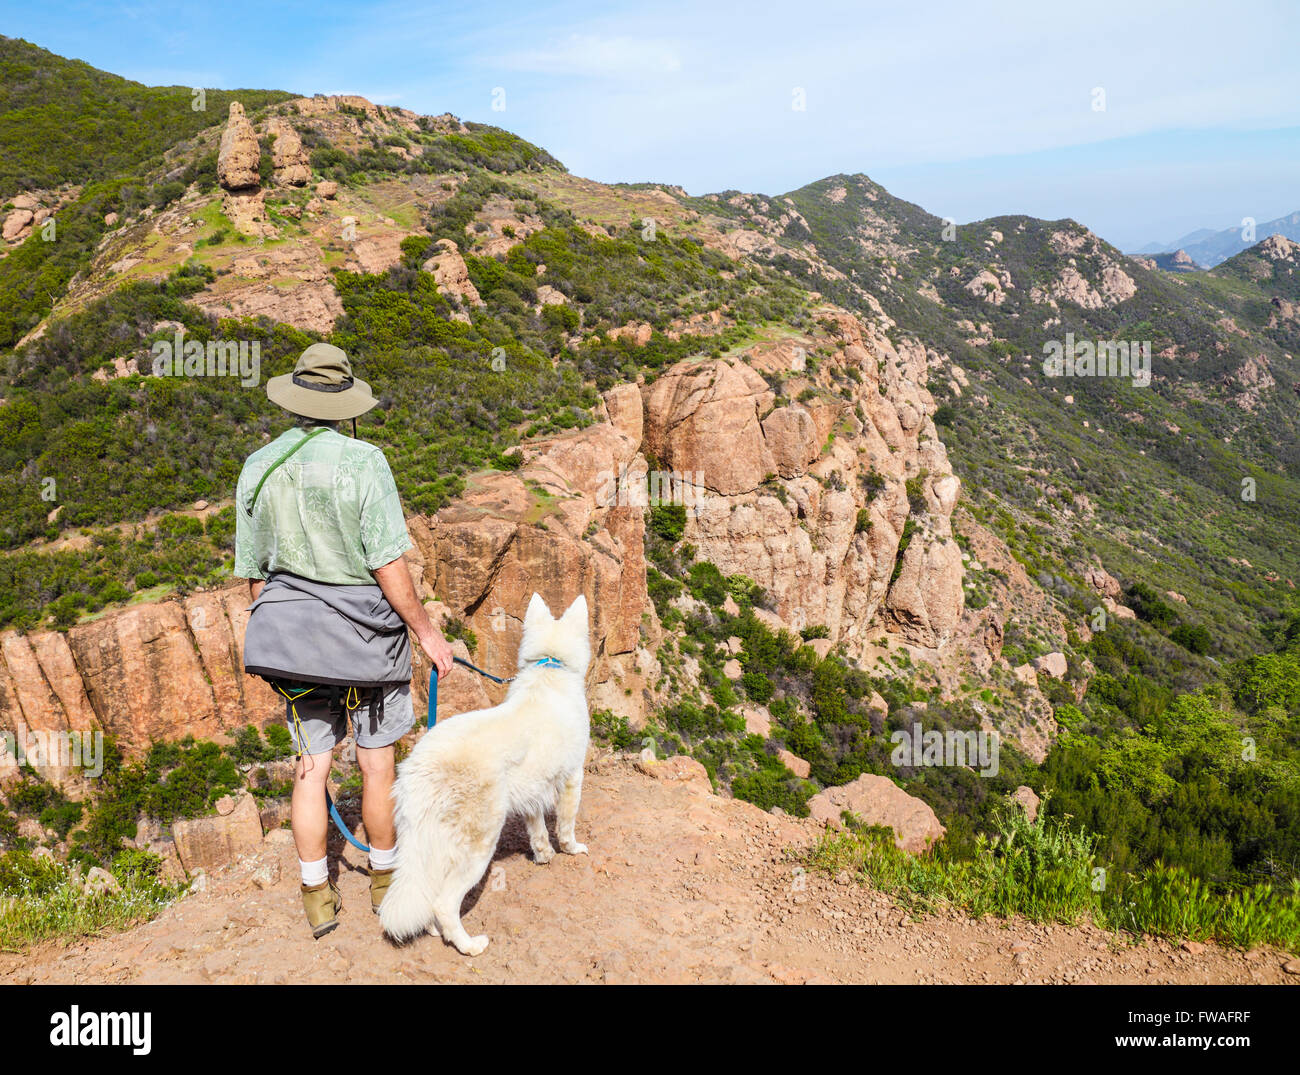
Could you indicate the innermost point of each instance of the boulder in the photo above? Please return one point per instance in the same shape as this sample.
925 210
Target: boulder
820 646
288 156
327 188
794 763
1025 673
639 332
239 157
16 223
679 768
205 843
100 880
1103 582
1028 799
451 274
758 721
1051 664
877 800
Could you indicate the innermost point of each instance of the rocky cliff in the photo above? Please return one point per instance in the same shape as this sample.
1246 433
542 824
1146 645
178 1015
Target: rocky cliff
803 463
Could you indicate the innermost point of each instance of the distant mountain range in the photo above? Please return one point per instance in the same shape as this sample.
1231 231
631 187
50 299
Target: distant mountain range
1208 247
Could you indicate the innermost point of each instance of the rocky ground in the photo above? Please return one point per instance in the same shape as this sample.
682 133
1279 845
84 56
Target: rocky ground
680 886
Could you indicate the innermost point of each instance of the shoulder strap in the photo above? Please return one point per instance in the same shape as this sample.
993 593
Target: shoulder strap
283 459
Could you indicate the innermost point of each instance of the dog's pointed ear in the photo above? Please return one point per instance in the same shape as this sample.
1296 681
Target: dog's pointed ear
576 611
537 608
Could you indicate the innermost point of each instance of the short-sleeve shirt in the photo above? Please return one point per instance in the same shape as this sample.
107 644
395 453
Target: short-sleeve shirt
330 513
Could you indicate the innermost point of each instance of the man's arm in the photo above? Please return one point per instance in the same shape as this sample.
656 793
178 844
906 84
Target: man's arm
255 587
395 580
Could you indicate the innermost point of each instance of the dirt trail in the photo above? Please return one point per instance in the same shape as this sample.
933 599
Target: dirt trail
680 886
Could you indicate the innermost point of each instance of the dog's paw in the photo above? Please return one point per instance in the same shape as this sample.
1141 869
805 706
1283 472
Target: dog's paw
542 856
474 946
574 848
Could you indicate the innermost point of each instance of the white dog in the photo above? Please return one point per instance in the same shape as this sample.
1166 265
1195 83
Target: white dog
466 776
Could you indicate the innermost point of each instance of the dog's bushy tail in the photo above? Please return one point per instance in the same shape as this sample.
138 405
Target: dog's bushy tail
407 910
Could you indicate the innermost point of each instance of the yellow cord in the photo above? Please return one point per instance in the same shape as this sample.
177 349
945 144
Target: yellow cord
351 700
297 724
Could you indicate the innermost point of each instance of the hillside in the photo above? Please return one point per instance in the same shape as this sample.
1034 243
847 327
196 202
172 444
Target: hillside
800 452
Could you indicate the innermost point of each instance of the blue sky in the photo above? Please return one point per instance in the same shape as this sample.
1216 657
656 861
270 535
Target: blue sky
970 110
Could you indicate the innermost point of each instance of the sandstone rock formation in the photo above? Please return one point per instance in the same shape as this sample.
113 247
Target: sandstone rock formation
1028 800
292 165
1051 664
777 498
240 157
18 225
205 843
310 301
451 274
877 800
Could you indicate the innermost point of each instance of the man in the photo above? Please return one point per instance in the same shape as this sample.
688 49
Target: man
318 521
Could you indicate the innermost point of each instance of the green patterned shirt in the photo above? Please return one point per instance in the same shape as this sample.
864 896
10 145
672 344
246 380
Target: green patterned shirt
330 513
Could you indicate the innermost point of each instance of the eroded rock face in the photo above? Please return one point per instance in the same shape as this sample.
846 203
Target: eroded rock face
240 157
247 211
309 302
18 224
877 800
288 156
703 419
451 274
206 843
784 492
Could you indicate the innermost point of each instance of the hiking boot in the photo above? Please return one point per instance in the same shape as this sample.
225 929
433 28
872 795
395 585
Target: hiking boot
322 903
379 882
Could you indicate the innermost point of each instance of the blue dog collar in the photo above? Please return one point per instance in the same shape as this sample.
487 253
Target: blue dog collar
549 662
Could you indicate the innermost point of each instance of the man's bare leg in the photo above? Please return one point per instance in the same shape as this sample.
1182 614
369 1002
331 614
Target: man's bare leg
378 772
310 824
308 815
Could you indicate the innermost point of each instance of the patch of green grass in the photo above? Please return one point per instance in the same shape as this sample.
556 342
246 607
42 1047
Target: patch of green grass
1045 871
42 899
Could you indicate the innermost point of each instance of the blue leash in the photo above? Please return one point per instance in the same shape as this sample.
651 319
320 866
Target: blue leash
433 719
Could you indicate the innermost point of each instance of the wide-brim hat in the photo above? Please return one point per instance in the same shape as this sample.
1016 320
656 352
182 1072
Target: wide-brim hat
321 386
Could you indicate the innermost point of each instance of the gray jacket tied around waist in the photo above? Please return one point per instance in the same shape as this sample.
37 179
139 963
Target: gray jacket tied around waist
313 632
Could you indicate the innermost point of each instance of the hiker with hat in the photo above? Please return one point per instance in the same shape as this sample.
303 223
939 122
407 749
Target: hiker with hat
320 535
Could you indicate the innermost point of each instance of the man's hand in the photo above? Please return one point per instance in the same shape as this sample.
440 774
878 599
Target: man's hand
436 649
395 580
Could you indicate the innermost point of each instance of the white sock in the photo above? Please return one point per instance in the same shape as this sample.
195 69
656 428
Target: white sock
313 873
381 859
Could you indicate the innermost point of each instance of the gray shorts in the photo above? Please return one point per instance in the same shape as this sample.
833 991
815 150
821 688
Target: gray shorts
377 724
